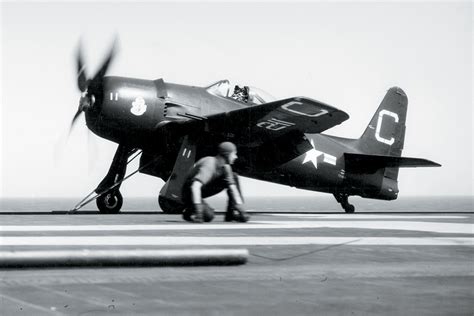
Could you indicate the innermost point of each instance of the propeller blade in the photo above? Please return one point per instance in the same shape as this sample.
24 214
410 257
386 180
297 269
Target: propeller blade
96 82
79 111
81 71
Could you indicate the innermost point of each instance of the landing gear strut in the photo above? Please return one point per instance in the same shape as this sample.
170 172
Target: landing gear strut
343 199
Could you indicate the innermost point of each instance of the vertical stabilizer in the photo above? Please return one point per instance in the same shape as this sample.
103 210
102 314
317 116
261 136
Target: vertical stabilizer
385 133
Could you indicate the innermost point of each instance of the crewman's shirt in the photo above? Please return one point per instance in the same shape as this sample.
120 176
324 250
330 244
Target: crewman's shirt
208 170
214 174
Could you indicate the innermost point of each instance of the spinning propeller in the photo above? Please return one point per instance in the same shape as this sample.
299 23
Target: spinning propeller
91 96
91 89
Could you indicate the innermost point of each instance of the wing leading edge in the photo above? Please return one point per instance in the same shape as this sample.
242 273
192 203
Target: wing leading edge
255 125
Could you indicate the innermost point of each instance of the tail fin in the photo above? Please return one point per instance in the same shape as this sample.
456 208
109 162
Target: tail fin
385 133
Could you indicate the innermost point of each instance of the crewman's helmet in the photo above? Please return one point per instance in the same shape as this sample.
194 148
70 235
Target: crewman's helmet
226 148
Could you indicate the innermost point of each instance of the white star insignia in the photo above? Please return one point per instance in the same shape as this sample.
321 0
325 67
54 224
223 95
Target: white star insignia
312 155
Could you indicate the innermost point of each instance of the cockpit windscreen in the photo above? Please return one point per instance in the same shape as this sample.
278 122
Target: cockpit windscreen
244 94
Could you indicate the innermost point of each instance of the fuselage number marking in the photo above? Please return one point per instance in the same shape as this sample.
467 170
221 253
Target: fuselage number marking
275 124
379 126
114 96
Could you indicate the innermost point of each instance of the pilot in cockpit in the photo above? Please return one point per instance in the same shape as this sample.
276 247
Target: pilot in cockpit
241 94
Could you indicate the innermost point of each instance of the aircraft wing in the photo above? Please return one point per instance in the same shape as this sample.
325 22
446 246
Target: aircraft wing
360 163
254 125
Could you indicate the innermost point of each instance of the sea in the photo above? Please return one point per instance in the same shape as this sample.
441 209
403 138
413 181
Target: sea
260 204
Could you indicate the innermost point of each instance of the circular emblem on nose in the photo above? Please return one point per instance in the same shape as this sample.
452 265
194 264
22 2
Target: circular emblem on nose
138 106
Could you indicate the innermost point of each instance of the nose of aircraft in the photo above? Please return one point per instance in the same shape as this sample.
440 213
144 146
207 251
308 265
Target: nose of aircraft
91 89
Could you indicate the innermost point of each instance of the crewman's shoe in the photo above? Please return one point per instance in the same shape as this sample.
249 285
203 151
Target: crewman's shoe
242 217
187 215
231 215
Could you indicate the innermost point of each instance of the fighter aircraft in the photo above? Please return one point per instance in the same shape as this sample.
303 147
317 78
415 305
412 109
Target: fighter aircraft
280 141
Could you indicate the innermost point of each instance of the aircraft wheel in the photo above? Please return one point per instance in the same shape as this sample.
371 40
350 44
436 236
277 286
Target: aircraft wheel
349 208
169 206
110 202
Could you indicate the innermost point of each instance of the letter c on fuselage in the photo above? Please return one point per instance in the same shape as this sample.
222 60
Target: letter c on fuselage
379 126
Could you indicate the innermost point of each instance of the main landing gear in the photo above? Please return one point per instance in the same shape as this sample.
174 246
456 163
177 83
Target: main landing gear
107 194
343 199
110 199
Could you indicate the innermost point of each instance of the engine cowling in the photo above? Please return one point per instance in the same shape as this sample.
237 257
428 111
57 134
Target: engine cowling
129 110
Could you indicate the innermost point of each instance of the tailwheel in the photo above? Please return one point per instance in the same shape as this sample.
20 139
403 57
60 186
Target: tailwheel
349 208
343 199
110 202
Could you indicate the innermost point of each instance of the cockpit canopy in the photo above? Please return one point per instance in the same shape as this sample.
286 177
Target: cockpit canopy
244 94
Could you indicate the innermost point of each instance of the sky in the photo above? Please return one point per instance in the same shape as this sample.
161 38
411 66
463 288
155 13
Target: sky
344 54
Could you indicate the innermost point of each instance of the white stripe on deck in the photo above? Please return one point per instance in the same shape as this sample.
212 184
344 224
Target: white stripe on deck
228 241
436 227
367 216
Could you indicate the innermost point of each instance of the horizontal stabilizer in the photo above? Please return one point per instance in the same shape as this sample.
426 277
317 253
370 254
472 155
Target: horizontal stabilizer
360 163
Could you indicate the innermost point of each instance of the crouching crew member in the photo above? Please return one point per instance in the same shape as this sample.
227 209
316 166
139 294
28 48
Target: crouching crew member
209 176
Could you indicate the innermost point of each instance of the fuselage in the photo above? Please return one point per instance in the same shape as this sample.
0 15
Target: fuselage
132 111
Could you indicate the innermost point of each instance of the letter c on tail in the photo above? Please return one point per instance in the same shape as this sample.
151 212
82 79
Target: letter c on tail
379 126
